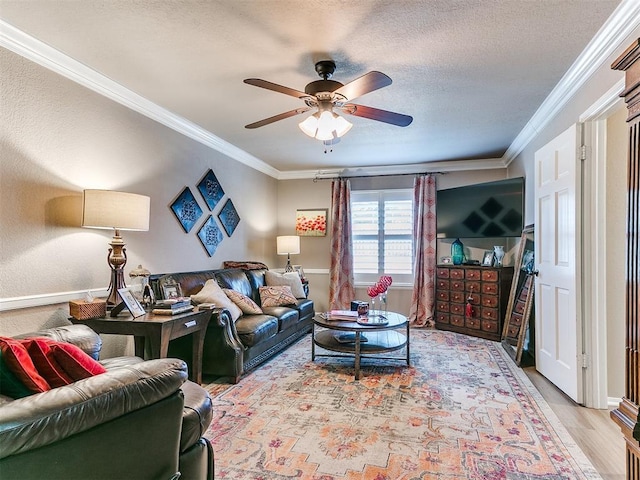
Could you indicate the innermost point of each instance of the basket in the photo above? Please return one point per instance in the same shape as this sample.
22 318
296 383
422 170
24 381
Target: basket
83 310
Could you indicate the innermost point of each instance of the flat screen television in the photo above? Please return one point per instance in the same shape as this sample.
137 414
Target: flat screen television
494 209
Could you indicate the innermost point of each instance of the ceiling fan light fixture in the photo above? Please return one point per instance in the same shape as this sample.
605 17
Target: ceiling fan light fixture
326 126
310 125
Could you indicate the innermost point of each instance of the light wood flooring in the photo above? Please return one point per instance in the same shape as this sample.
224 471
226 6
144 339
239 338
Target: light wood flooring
593 430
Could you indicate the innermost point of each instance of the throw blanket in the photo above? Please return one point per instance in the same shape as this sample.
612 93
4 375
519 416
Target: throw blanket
245 265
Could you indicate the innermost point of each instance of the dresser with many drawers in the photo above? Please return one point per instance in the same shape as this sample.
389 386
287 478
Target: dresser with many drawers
472 299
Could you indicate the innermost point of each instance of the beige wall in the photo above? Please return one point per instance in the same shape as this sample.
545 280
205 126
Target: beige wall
59 138
315 251
616 173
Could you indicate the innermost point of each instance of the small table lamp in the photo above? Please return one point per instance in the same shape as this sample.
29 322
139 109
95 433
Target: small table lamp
287 245
118 211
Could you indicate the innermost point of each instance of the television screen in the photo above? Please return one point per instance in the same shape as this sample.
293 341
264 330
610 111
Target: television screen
494 209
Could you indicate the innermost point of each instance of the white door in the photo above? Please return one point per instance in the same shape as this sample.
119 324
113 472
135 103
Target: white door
557 248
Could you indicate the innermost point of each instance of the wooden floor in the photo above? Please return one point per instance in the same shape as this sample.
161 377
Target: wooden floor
593 430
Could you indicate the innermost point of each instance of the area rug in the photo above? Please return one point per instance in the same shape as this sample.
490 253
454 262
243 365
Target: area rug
463 410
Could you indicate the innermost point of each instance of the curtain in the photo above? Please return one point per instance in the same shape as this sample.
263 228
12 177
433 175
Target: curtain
424 266
341 285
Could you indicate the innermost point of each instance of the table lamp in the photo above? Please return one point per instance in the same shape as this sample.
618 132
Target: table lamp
106 209
288 245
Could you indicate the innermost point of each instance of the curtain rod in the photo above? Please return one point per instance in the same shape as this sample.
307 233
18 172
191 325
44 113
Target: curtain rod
316 178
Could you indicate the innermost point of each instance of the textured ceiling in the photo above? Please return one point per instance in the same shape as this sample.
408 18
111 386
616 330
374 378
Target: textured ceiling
470 72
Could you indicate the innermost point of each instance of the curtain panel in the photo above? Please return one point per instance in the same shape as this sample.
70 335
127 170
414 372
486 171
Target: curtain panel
341 284
421 313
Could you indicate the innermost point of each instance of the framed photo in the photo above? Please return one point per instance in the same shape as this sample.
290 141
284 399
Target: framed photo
131 302
311 223
298 268
487 260
172 290
186 209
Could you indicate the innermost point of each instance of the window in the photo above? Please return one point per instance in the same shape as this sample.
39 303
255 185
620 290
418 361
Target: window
382 230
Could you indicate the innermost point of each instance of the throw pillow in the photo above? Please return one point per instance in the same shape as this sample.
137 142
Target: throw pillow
212 293
74 361
44 361
291 279
276 296
10 385
247 305
17 358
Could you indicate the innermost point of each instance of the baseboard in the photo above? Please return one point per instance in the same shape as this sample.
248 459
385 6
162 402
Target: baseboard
613 402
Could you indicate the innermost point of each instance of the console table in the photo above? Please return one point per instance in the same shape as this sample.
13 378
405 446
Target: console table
158 330
486 289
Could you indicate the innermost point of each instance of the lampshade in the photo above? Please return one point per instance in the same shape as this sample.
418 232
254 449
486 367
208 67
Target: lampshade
288 244
325 126
115 210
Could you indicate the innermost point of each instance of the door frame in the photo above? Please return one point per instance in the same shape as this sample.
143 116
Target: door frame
594 297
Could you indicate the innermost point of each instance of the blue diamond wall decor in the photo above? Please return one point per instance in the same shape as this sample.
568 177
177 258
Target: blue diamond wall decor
210 189
186 209
229 217
210 235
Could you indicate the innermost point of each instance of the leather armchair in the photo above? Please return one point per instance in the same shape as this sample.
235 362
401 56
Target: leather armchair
139 420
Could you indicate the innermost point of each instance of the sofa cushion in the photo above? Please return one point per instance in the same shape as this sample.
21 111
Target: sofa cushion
212 293
305 307
17 358
235 279
245 304
287 316
253 329
10 384
276 296
292 279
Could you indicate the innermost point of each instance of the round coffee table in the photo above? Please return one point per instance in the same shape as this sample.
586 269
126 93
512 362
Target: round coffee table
350 337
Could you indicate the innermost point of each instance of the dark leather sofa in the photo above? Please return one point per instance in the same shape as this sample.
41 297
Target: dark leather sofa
139 420
234 348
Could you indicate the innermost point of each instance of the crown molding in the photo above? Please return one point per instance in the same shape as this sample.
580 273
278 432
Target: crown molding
616 29
431 167
19 42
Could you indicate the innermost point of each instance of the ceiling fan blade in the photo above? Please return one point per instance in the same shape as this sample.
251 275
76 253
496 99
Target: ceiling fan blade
275 118
256 82
376 114
366 83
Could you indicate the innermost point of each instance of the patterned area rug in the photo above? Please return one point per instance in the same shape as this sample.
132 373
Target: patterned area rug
463 410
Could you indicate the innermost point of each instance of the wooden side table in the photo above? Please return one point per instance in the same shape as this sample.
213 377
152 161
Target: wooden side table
158 330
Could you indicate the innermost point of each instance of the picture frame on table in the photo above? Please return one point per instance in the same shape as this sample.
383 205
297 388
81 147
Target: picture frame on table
487 260
131 302
172 290
299 270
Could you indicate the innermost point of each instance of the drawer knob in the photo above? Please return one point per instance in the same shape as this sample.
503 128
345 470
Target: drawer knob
190 324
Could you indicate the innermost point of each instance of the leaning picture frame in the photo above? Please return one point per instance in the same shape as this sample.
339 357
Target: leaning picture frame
132 303
487 260
171 290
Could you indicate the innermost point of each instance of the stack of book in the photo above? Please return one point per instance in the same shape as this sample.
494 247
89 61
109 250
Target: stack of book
172 306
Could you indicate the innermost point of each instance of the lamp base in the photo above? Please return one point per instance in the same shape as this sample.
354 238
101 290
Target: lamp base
288 268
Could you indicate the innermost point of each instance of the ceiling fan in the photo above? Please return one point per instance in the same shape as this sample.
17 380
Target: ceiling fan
327 97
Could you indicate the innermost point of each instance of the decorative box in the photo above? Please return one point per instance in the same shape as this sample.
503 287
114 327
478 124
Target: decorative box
83 310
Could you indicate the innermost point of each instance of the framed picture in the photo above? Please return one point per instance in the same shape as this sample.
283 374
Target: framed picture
311 223
229 217
131 302
487 260
210 235
298 268
210 189
186 209
171 290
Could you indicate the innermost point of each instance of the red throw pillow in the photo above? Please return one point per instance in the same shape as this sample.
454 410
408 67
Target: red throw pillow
74 361
42 357
17 358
